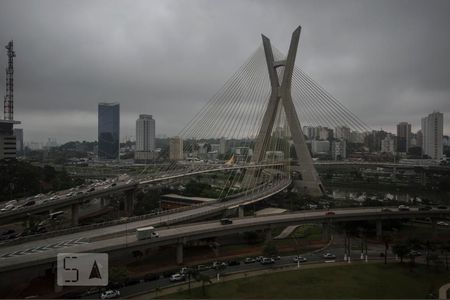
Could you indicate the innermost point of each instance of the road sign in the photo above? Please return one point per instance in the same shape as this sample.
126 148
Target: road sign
82 269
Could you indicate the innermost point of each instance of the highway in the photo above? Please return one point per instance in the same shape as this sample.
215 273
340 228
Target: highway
78 195
27 257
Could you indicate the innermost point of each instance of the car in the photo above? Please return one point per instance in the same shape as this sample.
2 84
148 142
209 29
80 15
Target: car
249 260
218 263
299 259
259 258
329 255
330 213
8 208
234 263
403 208
176 277
109 294
226 221
385 209
276 257
267 261
442 223
414 253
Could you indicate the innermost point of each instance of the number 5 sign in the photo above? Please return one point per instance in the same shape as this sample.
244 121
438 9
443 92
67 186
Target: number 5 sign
82 269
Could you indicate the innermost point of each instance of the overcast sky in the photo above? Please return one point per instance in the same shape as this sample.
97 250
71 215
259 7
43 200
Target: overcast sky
387 61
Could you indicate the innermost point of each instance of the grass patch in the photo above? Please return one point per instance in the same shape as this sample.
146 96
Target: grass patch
309 232
354 281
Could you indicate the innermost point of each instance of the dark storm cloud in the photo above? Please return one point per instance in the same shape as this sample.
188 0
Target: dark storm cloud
387 61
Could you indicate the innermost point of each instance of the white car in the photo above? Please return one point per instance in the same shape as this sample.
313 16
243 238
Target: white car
8 207
110 294
299 259
329 255
176 277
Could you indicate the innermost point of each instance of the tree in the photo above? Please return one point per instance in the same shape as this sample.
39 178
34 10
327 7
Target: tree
413 245
387 240
445 249
191 273
137 254
401 250
429 247
118 274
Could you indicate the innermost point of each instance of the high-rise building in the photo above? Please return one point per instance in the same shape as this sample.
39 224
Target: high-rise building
7 139
419 139
356 137
18 133
432 130
342 133
339 150
403 137
322 147
310 132
145 138
387 144
176 148
108 130
373 140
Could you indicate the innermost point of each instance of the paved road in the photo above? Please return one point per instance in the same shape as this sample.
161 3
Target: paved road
195 231
313 258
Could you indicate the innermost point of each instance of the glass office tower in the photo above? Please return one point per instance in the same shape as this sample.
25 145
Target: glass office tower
108 130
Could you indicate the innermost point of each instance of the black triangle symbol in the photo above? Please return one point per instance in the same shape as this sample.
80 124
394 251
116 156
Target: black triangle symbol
95 272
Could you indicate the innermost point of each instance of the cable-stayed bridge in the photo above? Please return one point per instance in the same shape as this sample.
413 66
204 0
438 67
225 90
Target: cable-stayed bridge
260 111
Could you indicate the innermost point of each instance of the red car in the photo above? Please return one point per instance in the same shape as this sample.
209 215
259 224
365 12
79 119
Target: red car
330 213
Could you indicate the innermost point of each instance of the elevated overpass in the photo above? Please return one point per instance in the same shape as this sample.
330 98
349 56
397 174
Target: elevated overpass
27 255
171 217
46 204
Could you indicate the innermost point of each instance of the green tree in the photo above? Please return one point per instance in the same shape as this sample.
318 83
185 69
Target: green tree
401 250
118 274
387 240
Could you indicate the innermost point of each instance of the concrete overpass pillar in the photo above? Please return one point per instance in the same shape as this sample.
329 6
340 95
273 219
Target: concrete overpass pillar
268 235
129 202
179 253
241 211
75 214
379 229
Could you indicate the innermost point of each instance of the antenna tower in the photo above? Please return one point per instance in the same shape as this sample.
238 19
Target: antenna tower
8 108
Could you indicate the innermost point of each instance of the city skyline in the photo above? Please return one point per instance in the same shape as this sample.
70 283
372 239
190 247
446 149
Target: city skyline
385 69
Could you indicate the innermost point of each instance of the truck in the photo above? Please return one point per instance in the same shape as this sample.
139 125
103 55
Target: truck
146 233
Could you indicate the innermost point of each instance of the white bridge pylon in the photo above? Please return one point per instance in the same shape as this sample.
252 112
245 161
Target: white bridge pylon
280 95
